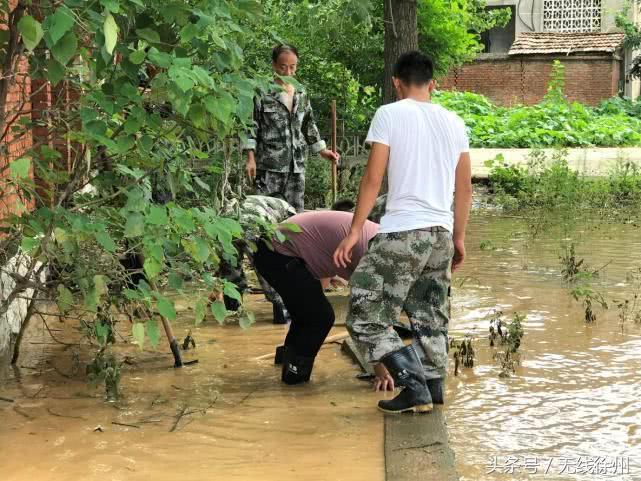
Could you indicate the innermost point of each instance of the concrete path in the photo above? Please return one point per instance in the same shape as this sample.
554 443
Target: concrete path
417 448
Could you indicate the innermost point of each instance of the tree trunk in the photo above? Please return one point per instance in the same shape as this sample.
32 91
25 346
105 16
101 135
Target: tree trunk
401 35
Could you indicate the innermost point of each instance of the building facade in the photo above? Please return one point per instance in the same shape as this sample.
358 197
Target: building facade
517 60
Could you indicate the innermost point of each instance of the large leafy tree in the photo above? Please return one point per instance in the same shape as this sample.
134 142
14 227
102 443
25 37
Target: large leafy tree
146 100
632 35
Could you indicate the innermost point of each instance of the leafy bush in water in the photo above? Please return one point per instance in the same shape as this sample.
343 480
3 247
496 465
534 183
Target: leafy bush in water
549 182
552 123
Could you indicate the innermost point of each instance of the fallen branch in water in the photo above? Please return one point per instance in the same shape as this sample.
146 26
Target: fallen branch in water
183 412
125 424
64 415
178 418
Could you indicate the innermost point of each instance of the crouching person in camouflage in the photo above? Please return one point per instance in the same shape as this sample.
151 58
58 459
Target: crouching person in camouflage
424 149
254 212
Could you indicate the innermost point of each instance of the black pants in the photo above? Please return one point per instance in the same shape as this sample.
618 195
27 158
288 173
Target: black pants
312 314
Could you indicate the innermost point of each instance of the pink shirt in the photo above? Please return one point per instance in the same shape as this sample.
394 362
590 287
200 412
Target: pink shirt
322 231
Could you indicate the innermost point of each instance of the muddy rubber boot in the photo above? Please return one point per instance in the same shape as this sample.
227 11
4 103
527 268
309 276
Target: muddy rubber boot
278 357
296 369
406 369
436 388
281 316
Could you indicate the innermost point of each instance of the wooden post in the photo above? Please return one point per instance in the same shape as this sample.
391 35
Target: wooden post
173 343
334 164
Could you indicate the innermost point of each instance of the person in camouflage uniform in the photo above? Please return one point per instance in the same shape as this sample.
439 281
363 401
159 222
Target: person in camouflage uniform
284 129
425 151
255 211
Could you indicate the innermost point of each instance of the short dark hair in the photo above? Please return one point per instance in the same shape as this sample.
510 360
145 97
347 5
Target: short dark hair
283 47
344 205
414 68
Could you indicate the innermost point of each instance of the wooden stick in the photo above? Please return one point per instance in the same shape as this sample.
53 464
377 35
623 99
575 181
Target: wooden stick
171 339
334 338
334 147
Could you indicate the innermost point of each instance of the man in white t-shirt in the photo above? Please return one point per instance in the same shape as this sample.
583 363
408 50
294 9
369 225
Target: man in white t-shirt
424 149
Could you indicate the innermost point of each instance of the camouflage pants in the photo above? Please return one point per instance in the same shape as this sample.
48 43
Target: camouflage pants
289 184
408 271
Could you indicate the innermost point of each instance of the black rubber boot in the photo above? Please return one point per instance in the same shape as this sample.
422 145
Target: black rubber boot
296 369
436 388
280 352
406 369
281 316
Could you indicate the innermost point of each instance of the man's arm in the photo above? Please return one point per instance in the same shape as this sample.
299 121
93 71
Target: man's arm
249 146
313 137
462 204
367 193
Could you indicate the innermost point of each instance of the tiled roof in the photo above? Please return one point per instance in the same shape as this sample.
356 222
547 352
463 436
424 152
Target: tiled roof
566 43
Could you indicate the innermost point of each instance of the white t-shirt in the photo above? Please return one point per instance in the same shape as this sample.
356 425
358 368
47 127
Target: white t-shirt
426 142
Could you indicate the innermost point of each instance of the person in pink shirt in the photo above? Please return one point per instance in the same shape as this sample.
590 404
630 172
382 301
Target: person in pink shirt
299 269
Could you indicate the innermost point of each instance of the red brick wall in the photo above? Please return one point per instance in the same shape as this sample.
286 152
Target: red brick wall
14 146
508 80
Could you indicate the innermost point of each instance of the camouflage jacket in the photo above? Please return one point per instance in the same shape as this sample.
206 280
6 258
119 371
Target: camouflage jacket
268 209
281 138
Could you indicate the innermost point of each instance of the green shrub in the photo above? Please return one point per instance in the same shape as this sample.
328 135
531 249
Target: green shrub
552 123
549 182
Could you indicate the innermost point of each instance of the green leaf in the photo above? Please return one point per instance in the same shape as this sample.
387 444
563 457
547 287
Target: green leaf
148 34
182 78
60 23
106 242
291 227
96 127
55 71
188 32
175 281
202 185
246 320
102 332
111 5
166 308
100 285
138 331
200 310
153 333
29 244
230 290
219 311
152 267
201 252
20 168
135 224
157 215
137 56
111 33
91 300
31 31
221 106
65 299
65 49
161 59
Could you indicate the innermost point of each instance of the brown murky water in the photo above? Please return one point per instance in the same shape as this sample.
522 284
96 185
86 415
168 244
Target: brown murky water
577 393
575 396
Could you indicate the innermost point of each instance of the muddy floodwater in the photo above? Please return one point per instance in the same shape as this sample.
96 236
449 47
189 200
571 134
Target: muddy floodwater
571 411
